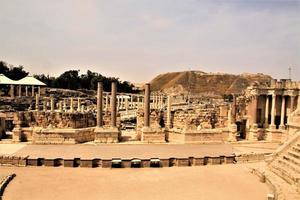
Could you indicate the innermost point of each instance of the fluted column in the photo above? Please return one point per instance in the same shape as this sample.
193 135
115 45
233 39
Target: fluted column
273 111
282 114
147 106
113 104
99 104
267 112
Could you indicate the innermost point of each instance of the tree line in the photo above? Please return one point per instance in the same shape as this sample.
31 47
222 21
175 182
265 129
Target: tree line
71 79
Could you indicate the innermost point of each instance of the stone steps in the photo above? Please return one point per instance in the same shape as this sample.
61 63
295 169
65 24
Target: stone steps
287 175
294 154
291 159
290 165
296 148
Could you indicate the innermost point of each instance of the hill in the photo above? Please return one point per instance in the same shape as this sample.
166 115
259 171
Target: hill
198 82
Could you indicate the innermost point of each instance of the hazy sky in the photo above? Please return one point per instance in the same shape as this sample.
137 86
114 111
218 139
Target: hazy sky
138 39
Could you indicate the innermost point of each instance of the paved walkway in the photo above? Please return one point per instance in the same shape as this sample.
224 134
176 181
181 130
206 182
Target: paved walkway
128 151
219 182
108 151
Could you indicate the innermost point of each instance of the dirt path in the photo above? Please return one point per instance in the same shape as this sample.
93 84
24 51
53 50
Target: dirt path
223 182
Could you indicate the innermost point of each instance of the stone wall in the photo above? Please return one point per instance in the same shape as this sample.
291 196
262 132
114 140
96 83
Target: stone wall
63 136
200 118
55 119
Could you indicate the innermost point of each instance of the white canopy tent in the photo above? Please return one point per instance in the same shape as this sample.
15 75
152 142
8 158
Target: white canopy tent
26 81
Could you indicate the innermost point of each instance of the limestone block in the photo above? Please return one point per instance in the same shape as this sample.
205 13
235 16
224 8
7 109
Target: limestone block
86 163
183 162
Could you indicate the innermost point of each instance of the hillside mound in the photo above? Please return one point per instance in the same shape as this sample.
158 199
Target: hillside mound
198 82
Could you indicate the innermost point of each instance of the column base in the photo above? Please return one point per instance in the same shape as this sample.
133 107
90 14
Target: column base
107 135
150 135
282 127
232 133
272 127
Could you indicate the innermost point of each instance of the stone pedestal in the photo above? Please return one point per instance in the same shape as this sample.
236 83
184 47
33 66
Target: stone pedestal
151 135
232 132
253 133
107 135
17 134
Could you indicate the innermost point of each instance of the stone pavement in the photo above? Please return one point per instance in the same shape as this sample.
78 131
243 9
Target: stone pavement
129 151
108 151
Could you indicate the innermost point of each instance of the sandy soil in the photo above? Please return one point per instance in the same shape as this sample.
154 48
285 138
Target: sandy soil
219 182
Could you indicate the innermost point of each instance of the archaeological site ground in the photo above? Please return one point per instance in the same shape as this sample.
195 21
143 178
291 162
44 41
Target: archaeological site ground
185 135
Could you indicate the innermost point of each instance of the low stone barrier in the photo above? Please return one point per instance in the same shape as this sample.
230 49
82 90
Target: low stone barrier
134 162
251 157
13 160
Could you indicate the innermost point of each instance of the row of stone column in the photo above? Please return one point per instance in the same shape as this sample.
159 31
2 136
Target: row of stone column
33 93
113 104
157 102
60 106
273 110
131 102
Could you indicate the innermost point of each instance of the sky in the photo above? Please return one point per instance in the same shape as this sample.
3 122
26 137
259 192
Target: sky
136 40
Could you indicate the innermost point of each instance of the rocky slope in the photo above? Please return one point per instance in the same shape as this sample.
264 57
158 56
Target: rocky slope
198 82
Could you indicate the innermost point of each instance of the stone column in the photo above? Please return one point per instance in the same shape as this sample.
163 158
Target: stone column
229 116
60 106
282 114
169 112
118 103
267 112
272 126
12 91
234 108
126 105
65 106
51 104
131 102
147 106
106 103
99 104
26 91
113 104
71 105
254 110
39 90
37 102
20 91
78 104
32 91
292 103
45 105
